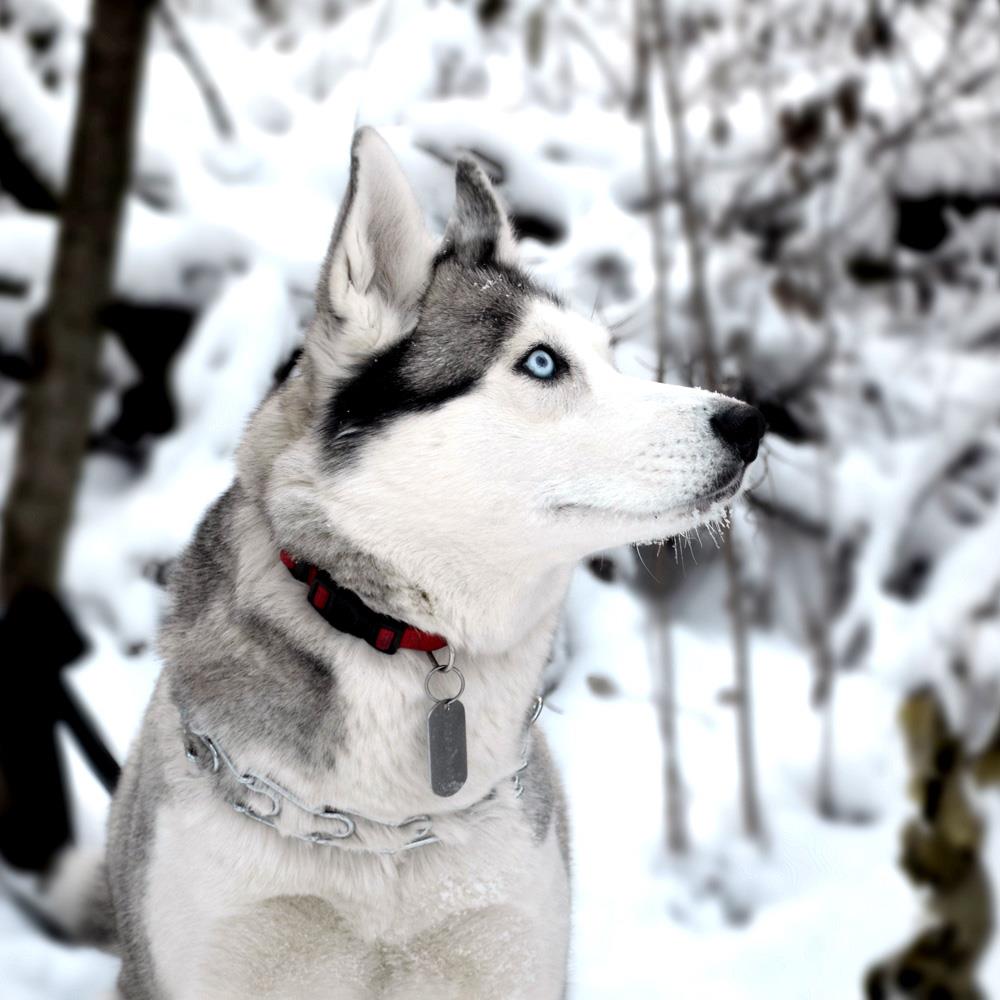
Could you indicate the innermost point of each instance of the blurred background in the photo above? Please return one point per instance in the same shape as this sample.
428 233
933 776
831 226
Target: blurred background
781 741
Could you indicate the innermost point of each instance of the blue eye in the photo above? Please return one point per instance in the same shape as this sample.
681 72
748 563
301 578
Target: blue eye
540 364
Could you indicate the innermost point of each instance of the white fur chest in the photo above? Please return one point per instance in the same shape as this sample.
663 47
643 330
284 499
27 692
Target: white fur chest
221 886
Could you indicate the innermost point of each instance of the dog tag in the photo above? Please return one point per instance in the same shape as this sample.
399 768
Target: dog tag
446 743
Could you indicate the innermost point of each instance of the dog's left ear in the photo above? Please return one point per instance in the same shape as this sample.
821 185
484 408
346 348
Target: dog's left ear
378 263
479 232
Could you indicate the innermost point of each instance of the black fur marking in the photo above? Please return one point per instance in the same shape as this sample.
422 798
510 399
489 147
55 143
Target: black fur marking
466 316
380 392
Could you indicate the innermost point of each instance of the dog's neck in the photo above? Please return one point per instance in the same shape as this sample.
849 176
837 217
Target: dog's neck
375 729
477 606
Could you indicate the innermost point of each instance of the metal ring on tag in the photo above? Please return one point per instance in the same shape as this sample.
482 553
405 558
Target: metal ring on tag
442 667
449 669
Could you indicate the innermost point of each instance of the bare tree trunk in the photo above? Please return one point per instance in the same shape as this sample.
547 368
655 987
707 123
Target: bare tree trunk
638 98
690 219
693 232
825 685
664 696
753 824
654 189
66 338
58 400
666 711
824 692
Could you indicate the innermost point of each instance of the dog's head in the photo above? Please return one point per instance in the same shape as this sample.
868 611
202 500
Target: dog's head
447 404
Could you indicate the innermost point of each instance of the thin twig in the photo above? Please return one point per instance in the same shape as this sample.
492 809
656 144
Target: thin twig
685 196
572 26
217 111
677 840
692 224
661 255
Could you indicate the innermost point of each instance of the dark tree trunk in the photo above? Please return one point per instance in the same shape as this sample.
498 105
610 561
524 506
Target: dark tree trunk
65 340
38 637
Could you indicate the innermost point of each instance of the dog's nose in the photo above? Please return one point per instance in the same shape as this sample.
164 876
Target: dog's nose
742 427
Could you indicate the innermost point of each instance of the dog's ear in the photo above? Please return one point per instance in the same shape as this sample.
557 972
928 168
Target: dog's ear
479 231
378 263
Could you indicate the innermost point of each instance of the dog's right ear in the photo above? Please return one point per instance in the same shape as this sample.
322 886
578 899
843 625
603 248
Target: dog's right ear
378 263
479 232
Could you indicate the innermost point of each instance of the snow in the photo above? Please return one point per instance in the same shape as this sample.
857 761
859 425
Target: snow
899 458
730 920
41 121
34 967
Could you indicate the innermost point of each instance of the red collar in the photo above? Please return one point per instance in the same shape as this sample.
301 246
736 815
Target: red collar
344 610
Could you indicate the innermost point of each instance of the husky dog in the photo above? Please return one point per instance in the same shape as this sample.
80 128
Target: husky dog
452 441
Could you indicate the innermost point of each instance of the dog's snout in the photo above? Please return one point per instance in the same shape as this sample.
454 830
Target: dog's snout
742 427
